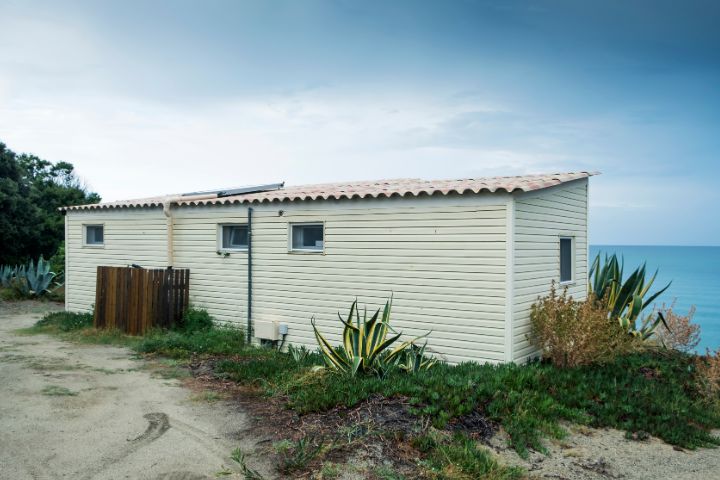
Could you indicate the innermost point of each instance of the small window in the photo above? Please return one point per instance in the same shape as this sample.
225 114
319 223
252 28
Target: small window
94 235
234 237
566 263
307 237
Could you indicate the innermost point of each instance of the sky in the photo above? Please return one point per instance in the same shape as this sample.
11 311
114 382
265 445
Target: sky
156 97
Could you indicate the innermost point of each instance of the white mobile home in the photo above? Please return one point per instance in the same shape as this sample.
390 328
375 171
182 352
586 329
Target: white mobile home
463 258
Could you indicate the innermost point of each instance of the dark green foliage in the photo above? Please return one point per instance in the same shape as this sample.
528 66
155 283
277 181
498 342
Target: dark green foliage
648 392
57 263
179 344
196 320
66 321
31 191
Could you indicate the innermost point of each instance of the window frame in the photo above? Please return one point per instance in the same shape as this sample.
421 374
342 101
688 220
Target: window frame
291 229
220 235
85 243
572 260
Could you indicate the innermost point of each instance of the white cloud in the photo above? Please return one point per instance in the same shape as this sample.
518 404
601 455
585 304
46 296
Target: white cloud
126 148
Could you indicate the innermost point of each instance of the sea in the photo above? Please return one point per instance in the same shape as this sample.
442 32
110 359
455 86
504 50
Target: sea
695 276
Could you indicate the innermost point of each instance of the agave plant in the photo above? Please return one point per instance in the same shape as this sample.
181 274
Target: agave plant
414 359
625 299
7 273
366 345
38 276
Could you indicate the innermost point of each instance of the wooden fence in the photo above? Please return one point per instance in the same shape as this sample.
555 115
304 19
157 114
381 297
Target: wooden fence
133 300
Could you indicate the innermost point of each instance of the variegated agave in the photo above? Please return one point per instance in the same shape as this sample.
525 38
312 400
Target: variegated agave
366 346
625 299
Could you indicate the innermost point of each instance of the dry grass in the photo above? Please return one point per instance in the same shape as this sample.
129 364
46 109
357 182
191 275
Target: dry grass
708 374
681 334
572 333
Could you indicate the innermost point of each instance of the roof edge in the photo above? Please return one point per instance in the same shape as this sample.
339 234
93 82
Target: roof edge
411 188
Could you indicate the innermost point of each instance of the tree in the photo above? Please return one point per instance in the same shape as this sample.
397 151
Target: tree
31 191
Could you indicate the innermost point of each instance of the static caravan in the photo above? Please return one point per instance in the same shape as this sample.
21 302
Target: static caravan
464 259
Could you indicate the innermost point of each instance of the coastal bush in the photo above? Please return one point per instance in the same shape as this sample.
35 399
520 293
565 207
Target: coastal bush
708 375
571 333
681 334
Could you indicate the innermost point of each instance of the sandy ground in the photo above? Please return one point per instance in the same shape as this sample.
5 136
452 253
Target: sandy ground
95 412
593 454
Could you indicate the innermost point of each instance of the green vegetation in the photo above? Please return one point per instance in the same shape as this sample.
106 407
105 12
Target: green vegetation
460 457
625 299
56 391
643 390
31 191
65 321
193 337
366 346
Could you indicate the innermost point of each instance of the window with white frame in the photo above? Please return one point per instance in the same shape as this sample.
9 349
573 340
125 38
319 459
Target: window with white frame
234 237
566 259
94 235
307 237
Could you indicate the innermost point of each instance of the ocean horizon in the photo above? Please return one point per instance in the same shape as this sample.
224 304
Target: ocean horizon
695 275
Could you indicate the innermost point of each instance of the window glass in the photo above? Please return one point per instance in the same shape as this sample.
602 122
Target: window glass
307 237
94 235
566 260
234 236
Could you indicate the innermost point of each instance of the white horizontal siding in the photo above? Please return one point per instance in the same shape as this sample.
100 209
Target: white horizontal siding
444 263
130 236
541 218
443 260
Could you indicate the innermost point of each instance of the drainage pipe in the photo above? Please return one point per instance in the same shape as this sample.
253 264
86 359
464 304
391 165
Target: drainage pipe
249 277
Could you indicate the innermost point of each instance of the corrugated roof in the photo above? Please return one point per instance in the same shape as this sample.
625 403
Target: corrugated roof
402 187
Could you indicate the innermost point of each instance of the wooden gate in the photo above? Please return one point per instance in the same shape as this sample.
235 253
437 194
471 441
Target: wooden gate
133 300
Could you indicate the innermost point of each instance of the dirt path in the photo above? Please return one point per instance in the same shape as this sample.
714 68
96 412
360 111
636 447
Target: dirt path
94 412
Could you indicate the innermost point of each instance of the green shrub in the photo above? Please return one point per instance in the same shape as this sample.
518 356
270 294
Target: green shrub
66 321
196 320
181 344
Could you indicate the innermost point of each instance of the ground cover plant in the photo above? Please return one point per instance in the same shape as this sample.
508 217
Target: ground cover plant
645 391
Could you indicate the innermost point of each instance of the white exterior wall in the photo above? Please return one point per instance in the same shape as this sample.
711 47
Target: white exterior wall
541 218
452 263
443 259
131 236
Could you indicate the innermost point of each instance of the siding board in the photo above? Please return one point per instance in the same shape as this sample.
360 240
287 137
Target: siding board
540 219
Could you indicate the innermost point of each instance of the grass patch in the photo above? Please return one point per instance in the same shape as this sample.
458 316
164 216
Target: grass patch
57 391
461 458
183 344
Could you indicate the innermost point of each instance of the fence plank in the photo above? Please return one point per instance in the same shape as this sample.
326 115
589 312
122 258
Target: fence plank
134 300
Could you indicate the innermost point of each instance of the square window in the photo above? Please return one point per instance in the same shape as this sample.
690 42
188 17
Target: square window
566 263
234 237
307 237
94 235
